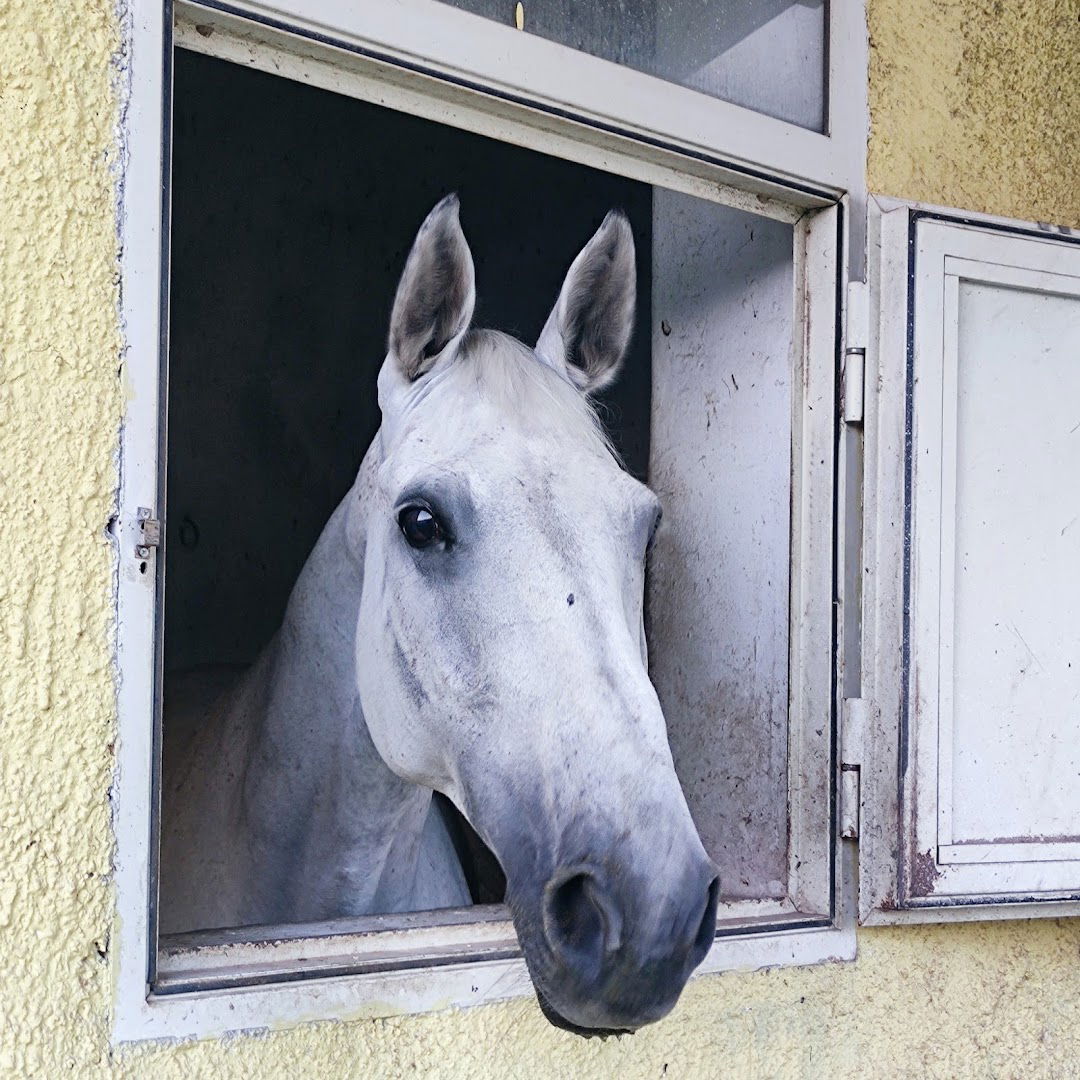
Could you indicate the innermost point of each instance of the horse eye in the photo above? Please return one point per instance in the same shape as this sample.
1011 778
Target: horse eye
420 527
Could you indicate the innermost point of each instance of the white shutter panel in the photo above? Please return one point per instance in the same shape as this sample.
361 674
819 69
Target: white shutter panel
971 658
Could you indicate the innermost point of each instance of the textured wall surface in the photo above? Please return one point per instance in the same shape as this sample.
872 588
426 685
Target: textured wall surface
59 414
1001 1000
976 104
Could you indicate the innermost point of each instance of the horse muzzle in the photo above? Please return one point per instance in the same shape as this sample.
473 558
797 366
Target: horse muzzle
611 954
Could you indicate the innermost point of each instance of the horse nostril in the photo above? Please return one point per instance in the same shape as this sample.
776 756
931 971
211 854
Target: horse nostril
579 916
707 929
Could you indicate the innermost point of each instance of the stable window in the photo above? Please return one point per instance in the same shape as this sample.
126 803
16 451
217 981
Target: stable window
235 449
277 324
858 610
286 246
766 55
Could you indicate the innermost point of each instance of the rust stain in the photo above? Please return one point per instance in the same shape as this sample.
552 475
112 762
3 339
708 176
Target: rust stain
924 873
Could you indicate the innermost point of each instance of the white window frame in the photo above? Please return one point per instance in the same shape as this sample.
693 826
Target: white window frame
495 81
406 40
907 872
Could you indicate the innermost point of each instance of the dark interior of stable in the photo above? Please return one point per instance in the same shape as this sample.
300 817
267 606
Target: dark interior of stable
292 212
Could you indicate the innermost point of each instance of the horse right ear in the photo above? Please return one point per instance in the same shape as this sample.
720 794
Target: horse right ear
435 298
588 331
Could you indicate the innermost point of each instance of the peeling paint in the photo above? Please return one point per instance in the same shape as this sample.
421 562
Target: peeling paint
924 873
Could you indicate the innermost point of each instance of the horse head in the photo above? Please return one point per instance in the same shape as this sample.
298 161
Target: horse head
500 648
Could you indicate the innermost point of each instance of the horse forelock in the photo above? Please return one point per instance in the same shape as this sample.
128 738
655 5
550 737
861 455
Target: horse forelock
496 368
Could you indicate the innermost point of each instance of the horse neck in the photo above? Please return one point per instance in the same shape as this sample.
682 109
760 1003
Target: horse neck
354 822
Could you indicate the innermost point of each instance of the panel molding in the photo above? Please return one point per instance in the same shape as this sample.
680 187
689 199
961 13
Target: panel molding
910 859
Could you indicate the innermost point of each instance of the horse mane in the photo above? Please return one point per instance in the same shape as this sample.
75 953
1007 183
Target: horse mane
512 376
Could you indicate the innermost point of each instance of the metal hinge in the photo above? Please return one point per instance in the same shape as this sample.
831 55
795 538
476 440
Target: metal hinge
149 532
855 338
852 736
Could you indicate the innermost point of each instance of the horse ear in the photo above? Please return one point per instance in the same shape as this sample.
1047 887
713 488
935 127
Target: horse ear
434 302
589 328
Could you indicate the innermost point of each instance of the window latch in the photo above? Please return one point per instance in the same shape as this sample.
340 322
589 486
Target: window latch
149 532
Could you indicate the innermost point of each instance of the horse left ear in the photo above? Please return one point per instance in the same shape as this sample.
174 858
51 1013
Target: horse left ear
434 302
589 328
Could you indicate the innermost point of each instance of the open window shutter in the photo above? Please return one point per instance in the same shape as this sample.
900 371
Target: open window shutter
970 768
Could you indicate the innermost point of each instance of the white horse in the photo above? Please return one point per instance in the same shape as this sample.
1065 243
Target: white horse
470 621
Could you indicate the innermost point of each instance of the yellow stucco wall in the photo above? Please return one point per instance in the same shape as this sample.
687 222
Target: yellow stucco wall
976 104
988 1000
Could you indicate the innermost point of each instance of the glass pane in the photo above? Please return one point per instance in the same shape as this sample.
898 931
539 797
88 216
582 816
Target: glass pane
767 55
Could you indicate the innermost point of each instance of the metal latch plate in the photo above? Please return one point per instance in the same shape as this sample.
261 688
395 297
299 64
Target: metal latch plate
149 532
